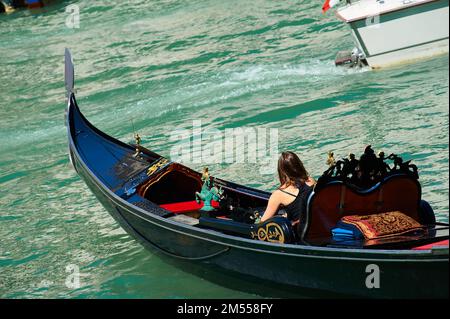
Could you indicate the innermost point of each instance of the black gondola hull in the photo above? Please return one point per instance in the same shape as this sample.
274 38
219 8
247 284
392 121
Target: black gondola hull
335 271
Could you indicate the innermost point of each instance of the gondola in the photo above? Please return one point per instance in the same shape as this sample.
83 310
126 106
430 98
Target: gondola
157 202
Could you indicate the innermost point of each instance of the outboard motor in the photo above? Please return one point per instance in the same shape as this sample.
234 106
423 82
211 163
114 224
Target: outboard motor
351 59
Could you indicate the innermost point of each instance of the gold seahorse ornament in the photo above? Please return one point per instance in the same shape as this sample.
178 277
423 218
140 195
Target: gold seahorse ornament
330 160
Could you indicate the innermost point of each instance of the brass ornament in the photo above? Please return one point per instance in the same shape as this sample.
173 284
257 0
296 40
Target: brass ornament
272 233
162 162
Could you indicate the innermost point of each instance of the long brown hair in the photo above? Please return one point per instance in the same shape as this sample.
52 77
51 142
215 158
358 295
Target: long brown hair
291 170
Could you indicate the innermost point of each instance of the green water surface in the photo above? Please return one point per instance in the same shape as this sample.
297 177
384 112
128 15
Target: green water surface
230 63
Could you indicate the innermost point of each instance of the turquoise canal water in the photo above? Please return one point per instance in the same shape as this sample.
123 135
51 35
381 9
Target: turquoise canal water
261 63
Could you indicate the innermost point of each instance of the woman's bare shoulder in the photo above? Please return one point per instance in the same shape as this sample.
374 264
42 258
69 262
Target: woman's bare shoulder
277 193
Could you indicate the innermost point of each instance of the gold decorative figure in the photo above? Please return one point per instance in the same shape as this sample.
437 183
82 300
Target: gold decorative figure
137 139
208 193
205 174
155 167
330 160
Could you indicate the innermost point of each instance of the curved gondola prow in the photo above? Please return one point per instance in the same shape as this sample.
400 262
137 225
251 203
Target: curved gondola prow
84 137
69 80
73 106
69 74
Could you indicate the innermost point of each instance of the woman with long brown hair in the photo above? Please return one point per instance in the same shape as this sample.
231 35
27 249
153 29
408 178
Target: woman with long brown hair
295 187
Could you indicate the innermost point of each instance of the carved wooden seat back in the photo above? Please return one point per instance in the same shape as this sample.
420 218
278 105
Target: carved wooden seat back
366 186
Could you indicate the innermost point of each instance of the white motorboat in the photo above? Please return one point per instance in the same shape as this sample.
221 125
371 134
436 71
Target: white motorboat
389 32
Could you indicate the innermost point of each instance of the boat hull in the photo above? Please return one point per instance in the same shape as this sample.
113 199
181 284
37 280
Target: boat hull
10 5
288 268
402 35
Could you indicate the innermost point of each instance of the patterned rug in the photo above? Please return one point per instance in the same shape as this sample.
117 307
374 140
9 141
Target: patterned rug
382 225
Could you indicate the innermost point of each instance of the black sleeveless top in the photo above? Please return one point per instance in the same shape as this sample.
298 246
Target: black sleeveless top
298 207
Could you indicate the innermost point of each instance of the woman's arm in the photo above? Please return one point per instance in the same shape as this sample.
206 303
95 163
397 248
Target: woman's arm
272 206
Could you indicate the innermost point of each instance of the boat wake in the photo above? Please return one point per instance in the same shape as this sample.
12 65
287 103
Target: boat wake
199 91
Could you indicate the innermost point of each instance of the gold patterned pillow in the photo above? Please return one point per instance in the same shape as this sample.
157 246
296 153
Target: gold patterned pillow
382 225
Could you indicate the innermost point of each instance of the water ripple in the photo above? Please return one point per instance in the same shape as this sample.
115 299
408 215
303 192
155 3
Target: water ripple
161 64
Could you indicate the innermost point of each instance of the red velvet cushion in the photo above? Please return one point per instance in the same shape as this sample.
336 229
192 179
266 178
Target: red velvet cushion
184 207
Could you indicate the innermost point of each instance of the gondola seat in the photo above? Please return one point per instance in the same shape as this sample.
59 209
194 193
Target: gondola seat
328 204
275 230
185 207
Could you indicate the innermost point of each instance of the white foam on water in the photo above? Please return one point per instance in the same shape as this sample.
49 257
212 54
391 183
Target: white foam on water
206 89
233 84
